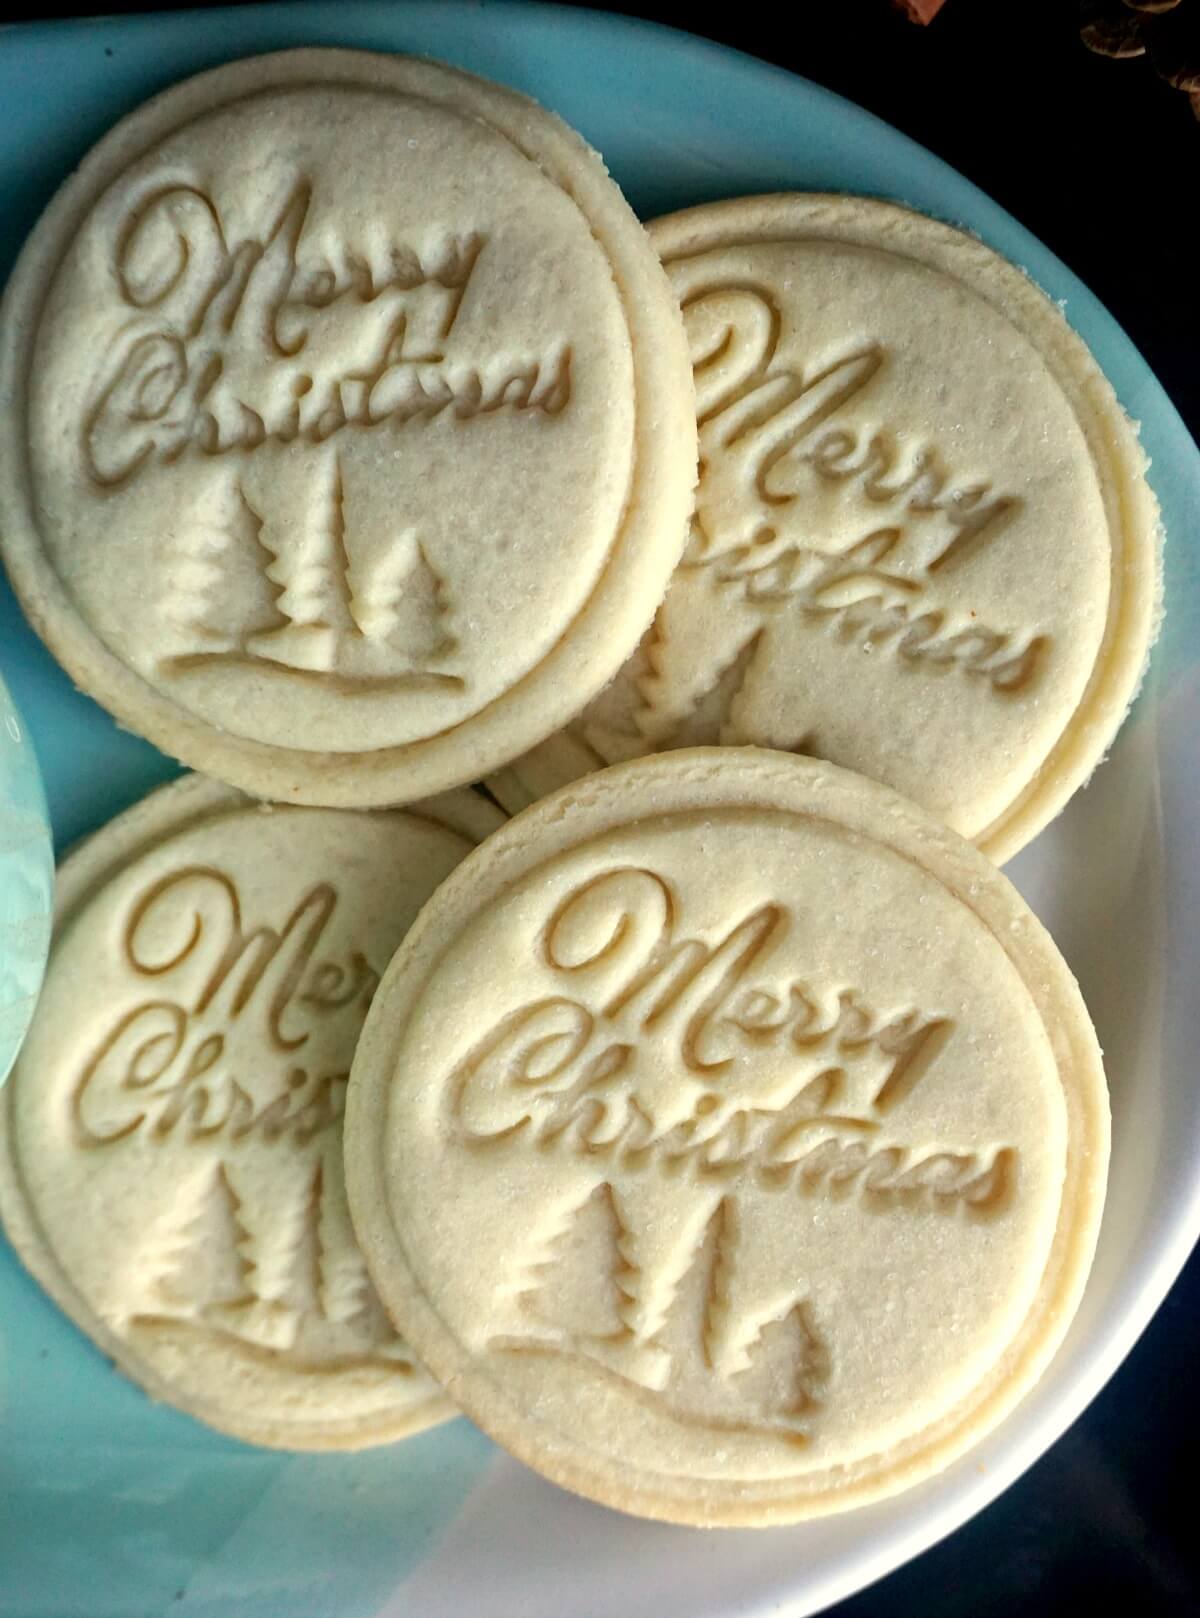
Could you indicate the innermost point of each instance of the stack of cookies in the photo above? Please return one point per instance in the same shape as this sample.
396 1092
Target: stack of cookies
721 1132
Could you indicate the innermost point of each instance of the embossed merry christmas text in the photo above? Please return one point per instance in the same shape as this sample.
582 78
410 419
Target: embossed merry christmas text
232 346
168 1066
694 1057
783 449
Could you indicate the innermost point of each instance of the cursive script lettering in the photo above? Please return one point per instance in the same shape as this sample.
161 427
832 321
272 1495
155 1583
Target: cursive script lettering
693 1056
766 415
254 343
864 601
168 1064
778 439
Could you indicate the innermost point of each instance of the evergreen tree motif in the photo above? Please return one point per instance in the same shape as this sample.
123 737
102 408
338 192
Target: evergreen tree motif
169 1265
196 1264
306 544
783 1361
718 717
717 1258
576 1280
696 1324
401 603
658 1243
270 615
366 617
582 1289
196 574
699 654
344 1294
303 1284
708 1356
278 1251
708 655
621 1290
535 1270
213 601
320 593
343 1284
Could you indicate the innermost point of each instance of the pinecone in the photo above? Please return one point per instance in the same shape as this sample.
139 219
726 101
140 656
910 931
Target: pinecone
1167 31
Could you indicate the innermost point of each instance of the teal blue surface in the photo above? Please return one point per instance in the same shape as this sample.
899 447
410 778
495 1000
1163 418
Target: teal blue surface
111 1507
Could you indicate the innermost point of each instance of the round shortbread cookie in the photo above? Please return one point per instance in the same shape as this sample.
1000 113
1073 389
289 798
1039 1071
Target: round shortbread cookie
350 435
735 1200
170 1139
924 546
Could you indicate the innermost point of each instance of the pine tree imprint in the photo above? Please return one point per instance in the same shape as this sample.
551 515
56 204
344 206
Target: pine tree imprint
402 607
196 1265
701 690
278 1253
343 1300
551 1294
317 606
281 1273
700 1360
208 619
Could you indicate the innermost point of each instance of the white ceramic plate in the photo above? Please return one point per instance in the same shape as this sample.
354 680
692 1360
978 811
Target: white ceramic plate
112 1508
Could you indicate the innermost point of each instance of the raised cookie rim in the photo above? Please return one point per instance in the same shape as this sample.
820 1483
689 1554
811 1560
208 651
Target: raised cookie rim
643 551
733 776
83 873
1135 535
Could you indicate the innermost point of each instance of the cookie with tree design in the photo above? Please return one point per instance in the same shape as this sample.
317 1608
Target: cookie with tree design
730 1137
212 967
923 546
346 475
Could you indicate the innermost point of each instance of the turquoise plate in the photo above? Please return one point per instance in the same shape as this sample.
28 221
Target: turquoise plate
113 1508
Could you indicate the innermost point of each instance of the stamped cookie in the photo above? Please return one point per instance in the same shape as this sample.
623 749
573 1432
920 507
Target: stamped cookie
170 1139
923 547
349 433
729 1202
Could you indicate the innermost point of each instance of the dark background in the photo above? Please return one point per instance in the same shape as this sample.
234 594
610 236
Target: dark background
1100 159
